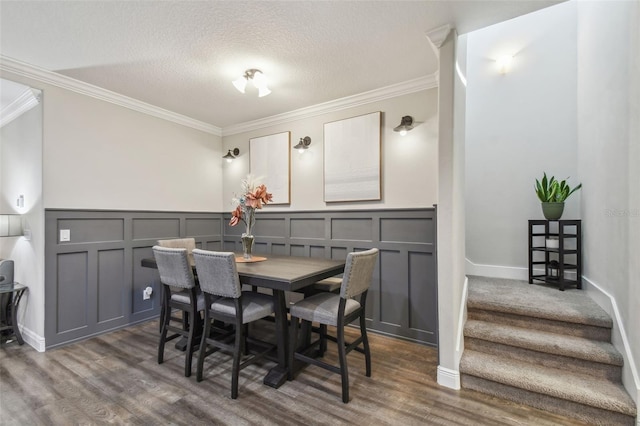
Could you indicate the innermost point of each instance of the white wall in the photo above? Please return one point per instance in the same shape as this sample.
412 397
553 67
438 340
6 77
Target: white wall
519 125
409 163
98 155
21 173
609 157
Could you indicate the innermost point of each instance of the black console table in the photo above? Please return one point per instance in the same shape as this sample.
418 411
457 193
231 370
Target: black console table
558 257
10 295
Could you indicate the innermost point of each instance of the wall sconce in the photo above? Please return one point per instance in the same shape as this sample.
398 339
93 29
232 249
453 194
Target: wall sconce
406 124
258 79
10 225
303 144
504 63
231 155
20 201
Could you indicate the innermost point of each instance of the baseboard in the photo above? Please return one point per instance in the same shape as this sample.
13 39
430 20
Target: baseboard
33 339
462 318
619 338
448 378
497 271
507 272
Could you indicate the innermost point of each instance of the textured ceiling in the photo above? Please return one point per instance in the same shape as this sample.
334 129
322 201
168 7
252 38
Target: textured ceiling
182 55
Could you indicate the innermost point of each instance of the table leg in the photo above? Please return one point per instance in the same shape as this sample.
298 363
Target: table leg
278 374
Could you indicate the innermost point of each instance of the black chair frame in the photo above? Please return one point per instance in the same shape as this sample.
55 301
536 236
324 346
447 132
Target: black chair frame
236 341
306 354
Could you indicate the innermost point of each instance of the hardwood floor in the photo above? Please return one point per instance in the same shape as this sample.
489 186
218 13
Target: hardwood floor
114 378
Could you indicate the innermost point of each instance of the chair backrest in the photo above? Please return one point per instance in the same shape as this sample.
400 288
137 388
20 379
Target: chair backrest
173 265
187 243
358 272
217 273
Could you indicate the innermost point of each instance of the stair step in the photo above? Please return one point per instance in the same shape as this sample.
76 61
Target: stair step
542 341
577 388
531 300
565 328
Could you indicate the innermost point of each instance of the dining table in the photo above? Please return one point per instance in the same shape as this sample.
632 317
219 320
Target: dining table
280 274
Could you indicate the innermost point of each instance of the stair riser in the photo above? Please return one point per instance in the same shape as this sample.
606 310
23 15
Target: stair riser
596 369
585 413
569 329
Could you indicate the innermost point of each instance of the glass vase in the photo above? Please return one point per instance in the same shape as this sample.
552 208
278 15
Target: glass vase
247 246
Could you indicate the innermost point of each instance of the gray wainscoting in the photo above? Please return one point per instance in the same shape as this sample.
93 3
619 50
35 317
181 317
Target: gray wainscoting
94 282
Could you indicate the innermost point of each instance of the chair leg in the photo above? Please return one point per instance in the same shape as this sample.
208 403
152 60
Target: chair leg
188 356
203 347
166 312
293 343
237 352
342 356
365 343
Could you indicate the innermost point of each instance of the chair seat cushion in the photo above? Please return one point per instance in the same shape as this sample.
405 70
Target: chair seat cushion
328 284
254 306
183 297
322 308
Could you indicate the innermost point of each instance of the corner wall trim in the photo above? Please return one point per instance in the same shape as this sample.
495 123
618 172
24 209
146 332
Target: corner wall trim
462 317
628 356
448 378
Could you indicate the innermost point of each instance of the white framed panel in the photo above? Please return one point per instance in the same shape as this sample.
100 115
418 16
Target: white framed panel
270 162
352 159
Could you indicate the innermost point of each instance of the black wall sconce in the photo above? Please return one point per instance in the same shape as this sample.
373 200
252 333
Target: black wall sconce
303 144
231 155
406 124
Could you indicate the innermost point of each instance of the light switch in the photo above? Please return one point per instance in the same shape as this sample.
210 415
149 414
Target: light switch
65 235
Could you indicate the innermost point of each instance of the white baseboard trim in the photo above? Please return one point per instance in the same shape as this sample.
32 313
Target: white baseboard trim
507 272
619 339
448 378
462 318
496 271
33 339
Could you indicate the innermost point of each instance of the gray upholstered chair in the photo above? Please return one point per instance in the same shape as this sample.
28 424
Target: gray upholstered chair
336 310
186 243
225 301
176 274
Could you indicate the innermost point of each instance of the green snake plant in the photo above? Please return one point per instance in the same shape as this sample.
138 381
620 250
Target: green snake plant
554 191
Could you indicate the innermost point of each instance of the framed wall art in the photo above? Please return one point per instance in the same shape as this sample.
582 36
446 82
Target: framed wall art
270 160
352 159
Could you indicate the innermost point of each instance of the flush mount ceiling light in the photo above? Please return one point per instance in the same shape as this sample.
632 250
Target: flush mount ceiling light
406 124
303 144
231 155
258 79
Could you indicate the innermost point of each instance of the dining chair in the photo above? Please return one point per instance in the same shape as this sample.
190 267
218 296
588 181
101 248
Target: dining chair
186 243
225 301
179 291
337 310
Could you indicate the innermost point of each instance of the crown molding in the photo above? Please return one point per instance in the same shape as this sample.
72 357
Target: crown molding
23 103
411 86
49 77
437 36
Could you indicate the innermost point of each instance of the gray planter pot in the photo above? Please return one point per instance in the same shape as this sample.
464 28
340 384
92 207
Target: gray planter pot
552 211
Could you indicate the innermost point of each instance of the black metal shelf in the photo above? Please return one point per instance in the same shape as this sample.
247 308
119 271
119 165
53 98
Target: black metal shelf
557 261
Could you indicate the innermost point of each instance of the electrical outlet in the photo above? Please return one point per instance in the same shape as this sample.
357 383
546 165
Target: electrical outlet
146 293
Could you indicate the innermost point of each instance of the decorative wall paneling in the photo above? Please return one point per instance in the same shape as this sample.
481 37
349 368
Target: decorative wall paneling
94 282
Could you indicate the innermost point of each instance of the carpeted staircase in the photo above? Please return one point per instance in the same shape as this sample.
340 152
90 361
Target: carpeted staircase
545 348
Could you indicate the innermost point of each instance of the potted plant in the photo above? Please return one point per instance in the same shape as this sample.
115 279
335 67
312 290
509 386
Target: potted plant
552 193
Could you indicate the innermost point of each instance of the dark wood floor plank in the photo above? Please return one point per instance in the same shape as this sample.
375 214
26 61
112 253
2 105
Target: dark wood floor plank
115 379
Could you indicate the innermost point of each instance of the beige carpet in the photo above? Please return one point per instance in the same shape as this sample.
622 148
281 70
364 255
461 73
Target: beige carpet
550 349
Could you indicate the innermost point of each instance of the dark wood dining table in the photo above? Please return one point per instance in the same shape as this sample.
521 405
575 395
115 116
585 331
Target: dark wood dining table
281 274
